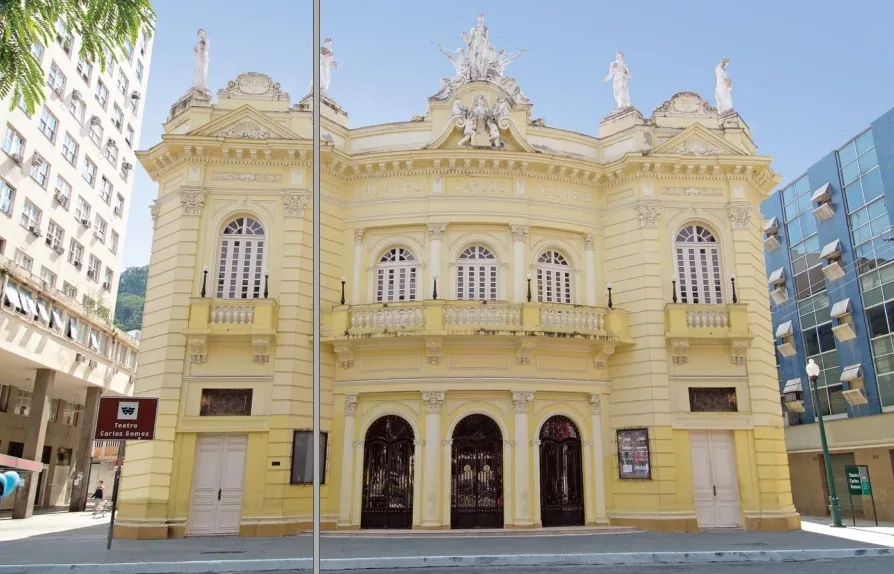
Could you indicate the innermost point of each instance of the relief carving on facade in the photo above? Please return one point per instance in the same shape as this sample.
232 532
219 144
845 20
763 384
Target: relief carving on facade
519 232
154 211
596 403
350 404
588 241
433 352
358 235
691 191
698 146
434 401
436 231
739 351
648 214
295 204
740 216
680 351
260 349
345 356
601 360
254 86
525 350
247 177
198 349
246 129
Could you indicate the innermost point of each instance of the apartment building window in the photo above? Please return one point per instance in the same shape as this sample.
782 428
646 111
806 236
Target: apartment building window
56 80
37 50
119 205
69 290
124 172
110 276
31 216
96 131
23 106
48 276
85 69
105 190
113 242
99 229
94 266
117 117
63 191
102 94
55 236
110 63
138 71
89 173
93 341
112 153
122 83
144 43
2 246
40 171
14 143
75 254
70 149
78 108
7 196
128 50
129 136
48 124
64 37
23 260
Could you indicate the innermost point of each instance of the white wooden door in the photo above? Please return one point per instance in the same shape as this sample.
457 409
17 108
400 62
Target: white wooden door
716 489
216 503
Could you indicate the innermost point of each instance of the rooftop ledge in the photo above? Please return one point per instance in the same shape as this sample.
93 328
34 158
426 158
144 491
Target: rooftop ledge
444 318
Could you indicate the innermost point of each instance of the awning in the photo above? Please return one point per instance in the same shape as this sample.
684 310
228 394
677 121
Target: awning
771 226
73 328
851 372
822 194
15 463
841 308
57 319
94 343
777 276
831 249
42 309
12 295
792 386
784 330
28 303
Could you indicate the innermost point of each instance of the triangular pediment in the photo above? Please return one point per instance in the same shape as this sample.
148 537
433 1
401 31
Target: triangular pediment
246 123
697 140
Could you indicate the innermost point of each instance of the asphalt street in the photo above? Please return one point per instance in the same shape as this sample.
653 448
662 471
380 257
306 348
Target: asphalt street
853 566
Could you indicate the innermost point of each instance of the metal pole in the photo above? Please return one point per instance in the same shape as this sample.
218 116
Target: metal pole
850 500
316 303
872 497
827 458
115 494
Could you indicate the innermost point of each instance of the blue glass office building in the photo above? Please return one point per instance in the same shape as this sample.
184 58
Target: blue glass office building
830 269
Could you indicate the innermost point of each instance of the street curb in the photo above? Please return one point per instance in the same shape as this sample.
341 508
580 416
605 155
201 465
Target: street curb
400 562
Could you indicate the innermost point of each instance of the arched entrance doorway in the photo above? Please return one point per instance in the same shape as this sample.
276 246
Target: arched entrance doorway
388 474
561 474
477 474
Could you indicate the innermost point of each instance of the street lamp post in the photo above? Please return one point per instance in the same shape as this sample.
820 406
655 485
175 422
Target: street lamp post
813 372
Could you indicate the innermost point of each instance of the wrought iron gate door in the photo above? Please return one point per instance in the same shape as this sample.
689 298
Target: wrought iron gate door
561 474
388 475
477 474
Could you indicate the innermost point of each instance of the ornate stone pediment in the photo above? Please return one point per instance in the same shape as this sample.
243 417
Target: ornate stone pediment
253 86
246 123
481 116
685 104
696 140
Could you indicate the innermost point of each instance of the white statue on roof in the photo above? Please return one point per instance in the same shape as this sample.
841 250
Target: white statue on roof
620 77
723 92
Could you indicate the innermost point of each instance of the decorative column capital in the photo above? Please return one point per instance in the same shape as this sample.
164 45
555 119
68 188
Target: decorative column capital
519 232
434 401
192 201
358 235
588 241
154 211
295 203
648 214
436 231
350 404
509 443
740 216
447 442
521 400
596 403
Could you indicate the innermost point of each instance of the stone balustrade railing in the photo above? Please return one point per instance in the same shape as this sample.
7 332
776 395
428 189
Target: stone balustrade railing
476 314
387 317
233 312
710 318
572 318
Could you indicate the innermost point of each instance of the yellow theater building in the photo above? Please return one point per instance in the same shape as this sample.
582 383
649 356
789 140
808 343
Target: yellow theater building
523 326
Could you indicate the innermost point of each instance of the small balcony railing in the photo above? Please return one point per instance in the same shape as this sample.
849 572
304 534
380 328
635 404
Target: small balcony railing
232 316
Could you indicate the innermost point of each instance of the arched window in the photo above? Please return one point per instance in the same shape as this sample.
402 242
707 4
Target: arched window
698 266
476 274
241 265
396 276
553 278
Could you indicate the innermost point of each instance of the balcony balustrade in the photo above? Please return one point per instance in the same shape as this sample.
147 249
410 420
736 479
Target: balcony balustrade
687 324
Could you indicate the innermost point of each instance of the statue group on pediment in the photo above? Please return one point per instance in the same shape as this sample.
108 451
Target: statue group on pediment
480 122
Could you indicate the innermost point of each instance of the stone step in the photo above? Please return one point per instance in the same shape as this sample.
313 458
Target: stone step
477 533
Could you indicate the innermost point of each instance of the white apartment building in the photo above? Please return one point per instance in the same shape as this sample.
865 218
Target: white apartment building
66 177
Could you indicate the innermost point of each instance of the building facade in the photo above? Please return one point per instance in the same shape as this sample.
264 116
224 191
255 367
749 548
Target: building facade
828 251
66 175
523 326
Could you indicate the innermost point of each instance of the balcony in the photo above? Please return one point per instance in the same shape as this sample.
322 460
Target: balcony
347 326
254 319
106 448
687 324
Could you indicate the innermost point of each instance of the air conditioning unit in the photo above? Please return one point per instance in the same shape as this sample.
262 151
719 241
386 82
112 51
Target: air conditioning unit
79 358
126 166
779 295
110 142
95 121
85 223
59 91
106 285
76 95
59 249
49 241
78 264
135 95
18 158
117 211
60 199
92 363
35 231
36 159
91 274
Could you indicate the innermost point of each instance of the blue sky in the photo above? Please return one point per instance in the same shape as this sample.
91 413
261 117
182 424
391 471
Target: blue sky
807 75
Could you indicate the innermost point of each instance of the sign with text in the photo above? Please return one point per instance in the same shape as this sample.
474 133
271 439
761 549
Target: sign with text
858 480
126 418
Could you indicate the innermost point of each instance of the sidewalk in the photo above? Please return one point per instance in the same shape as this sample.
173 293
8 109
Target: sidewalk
865 531
82 549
